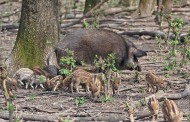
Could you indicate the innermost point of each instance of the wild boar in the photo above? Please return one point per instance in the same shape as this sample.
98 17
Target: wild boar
72 81
115 82
153 106
26 76
96 86
171 112
154 82
86 43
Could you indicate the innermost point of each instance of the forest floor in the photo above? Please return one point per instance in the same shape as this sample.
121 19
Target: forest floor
40 105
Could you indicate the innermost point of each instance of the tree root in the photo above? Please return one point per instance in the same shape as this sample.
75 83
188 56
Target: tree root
160 34
175 96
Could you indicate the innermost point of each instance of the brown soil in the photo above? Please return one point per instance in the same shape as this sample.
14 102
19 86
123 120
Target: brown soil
53 104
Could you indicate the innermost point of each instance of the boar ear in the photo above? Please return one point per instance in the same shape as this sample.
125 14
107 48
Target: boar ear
140 53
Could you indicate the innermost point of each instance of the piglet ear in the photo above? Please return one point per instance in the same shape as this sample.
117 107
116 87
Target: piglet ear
139 53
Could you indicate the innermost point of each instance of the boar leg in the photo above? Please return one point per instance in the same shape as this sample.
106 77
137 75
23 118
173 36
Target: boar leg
118 91
87 88
71 86
77 85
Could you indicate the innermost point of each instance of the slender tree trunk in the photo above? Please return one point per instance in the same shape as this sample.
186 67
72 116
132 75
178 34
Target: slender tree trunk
89 4
127 3
167 6
38 33
145 8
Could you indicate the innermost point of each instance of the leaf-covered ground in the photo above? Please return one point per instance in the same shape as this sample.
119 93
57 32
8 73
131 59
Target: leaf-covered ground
41 105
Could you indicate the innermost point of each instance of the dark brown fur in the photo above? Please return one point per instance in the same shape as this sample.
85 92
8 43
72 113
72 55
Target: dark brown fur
86 43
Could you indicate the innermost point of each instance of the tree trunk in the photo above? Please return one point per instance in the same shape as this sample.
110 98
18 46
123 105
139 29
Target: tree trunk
145 8
38 33
127 3
167 6
89 4
185 2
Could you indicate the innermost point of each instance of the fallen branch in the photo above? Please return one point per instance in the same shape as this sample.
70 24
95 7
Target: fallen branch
38 109
3 2
175 96
89 13
161 96
9 14
118 10
9 26
32 117
160 34
180 10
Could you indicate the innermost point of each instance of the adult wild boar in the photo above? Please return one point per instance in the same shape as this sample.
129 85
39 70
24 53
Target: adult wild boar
86 43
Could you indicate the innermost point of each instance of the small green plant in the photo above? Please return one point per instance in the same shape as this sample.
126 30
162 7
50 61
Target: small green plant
99 63
10 107
188 53
137 76
185 51
110 63
63 119
68 62
41 79
105 99
176 26
158 40
173 43
85 24
188 117
18 120
107 63
167 75
80 101
32 97
107 66
184 75
170 65
141 90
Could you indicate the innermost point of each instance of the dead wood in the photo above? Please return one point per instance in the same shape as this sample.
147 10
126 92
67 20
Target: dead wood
3 2
38 109
111 11
145 115
32 117
9 26
89 13
160 96
180 10
9 14
160 34
148 33
175 96
2 120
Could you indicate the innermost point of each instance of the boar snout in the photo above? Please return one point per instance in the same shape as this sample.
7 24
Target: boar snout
132 62
140 53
